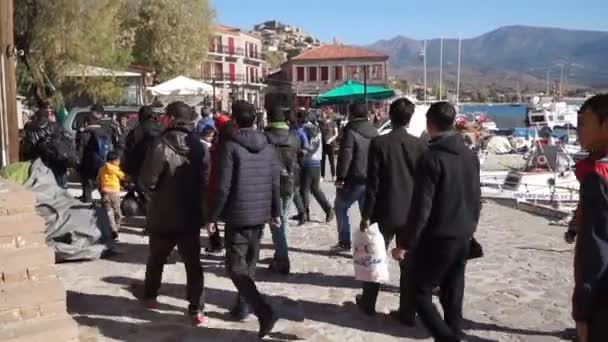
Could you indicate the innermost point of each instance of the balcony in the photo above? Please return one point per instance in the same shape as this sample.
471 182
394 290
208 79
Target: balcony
226 50
230 78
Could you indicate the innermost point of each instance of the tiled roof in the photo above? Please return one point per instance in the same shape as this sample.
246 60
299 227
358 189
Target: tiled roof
337 51
227 29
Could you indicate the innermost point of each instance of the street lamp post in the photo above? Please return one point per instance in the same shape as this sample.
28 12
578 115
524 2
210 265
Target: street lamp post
214 102
365 84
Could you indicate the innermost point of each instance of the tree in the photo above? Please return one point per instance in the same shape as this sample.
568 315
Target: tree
56 36
171 36
275 59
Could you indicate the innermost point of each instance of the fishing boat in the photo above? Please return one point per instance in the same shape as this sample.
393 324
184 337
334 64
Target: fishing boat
554 114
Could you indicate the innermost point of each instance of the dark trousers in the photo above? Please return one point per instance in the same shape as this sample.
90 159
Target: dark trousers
328 155
298 202
87 189
406 295
440 263
242 253
311 179
598 326
189 248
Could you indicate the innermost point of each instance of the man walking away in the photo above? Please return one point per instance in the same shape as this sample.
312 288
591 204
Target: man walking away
138 142
287 146
443 217
174 179
590 298
388 197
352 169
247 197
329 133
296 122
93 144
311 172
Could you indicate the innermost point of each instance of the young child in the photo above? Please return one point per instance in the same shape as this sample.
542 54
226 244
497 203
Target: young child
208 136
108 180
590 299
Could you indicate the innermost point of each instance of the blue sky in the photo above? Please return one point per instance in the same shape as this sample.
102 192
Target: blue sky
365 21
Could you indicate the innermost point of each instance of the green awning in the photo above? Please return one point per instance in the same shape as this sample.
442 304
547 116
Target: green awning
352 91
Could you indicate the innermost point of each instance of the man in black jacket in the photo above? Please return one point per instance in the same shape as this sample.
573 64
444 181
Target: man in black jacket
87 147
388 196
443 217
352 169
174 179
287 147
246 198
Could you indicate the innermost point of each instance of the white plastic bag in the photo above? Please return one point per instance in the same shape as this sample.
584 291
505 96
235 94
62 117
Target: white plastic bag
369 255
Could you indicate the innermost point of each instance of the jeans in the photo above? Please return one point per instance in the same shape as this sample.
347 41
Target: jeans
441 263
328 154
345 197
311 179
279 234
242 253
189 248
406 297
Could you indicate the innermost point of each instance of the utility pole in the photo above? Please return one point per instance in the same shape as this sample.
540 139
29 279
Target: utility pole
9 124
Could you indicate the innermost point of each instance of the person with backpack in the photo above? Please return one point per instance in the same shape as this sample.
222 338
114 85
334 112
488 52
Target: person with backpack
287 146
45 139
94 143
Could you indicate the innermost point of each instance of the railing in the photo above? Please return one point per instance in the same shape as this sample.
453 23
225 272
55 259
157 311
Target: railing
227 50
227 77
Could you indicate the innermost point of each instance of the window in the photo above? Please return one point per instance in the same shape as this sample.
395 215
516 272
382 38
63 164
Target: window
377 73
232 72
231 49
352 72
300 74
324 73
252 75
219 70
338 73
312 74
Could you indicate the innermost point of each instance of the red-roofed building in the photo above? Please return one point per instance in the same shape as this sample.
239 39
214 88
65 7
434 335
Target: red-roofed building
323 68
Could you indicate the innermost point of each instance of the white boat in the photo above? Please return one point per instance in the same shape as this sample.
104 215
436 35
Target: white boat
554 114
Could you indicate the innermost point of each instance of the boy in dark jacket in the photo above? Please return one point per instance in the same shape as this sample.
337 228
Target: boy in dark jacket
174 179
351 173
590 298
246 198
445 211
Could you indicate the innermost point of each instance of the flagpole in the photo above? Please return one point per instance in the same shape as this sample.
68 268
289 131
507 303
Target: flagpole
440 69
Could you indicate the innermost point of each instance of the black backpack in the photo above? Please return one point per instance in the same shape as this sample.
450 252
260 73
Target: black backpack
287 154
98 148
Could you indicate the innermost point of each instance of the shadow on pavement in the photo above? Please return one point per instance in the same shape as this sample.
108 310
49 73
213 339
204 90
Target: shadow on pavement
292 310
471 325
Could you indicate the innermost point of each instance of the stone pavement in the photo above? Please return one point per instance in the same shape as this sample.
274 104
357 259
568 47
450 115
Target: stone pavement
520 291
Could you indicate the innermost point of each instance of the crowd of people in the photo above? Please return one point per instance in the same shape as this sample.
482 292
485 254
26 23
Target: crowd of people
195 172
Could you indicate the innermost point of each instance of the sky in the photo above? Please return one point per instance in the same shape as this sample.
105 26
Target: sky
366 21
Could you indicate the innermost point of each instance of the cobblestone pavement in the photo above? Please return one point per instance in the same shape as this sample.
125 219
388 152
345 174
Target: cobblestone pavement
520 291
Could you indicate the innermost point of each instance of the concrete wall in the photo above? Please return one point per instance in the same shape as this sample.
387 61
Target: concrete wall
32 298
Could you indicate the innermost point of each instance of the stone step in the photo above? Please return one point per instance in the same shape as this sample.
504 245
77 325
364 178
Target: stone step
23 223
30 293
24 264
60 328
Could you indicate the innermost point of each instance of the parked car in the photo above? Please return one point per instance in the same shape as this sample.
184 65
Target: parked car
75 120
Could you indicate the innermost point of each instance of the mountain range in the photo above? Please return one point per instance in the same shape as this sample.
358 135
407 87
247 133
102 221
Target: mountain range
507 58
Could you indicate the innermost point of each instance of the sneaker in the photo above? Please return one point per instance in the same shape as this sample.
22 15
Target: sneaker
407 320
240 312
341 247
198 319
296 217
214 250
114 235
280 267
151 304
330 215
363 307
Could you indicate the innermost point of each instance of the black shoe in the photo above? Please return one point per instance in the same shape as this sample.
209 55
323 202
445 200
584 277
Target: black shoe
240 311
214 249
280 267
364 307
267 321
296 217
347 246
407 320
114 236
330 216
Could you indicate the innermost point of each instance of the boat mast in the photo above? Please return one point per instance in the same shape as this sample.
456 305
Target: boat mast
440 69
458 76
424 60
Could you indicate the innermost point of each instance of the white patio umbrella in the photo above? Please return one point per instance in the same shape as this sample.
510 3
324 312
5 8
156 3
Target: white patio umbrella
181 85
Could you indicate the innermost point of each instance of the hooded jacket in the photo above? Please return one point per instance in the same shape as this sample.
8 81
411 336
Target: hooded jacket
174 179
138 141
447 195
354 148
248 181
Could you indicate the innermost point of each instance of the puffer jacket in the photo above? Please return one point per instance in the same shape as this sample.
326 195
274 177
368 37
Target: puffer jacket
354 148
248 181
174 180
138 141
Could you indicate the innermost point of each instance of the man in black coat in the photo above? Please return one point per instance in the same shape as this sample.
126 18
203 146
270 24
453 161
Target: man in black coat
246 198
444 215
174 179
352 169
388 196
86 146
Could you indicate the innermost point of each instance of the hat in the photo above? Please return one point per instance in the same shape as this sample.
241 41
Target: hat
221 121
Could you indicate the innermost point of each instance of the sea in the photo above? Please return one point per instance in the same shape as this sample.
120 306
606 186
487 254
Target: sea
504 115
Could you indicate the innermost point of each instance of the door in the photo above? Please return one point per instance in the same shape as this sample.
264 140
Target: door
230 45
232 72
